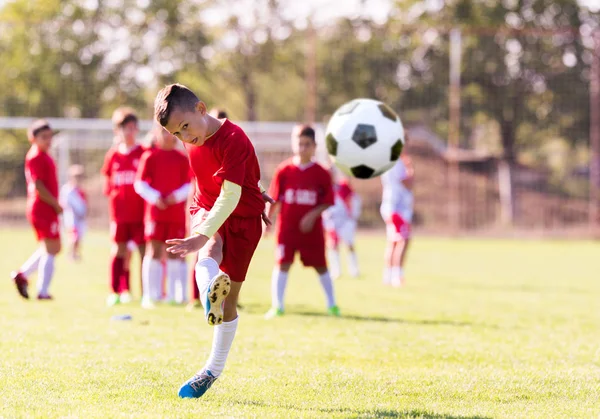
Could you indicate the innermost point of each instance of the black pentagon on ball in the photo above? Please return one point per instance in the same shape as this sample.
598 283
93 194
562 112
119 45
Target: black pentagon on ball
364 135
396 150
387 112
362 171
331 144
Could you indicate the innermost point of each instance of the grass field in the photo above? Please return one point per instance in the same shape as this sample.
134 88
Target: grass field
483 329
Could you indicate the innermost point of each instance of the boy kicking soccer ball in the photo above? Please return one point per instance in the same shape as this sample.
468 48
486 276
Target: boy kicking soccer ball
163 180
43 210
302 189
226 216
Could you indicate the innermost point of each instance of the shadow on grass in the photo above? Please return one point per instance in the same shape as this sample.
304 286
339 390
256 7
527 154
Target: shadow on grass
379 413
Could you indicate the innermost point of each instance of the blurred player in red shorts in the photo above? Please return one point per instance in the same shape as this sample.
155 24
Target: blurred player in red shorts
126 207
43 210
302 189
163 180
227 212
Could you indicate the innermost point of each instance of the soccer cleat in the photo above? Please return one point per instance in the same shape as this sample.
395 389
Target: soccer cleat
218 290
21 284
273 312
47 297
112 300
334 311
125 297
197 385
397 282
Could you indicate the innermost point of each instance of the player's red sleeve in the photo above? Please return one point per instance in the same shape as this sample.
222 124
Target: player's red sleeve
37 168
236 151
327 196
107 171
275 186
144 168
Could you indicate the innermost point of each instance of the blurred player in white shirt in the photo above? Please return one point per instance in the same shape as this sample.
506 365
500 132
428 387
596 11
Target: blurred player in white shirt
340 221
397 212
74 202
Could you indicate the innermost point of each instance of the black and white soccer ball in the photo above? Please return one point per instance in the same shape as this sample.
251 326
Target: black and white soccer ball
364 138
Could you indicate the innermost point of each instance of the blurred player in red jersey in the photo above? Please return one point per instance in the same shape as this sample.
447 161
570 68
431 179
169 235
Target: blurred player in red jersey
195 299
74 202
302 189
340 225
227 212
126 207
163 180
43 210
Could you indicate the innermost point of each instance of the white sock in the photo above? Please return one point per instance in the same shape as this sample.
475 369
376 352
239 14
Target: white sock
222 340
181 290
353 264
278 284
327 284
172 278
387 275
45 272
334 263
206 270
152 274
31 264
397 275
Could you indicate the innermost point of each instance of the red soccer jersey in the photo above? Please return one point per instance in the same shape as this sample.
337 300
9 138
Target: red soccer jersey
125 205
299 190
40 166
227 155
165 171
345 192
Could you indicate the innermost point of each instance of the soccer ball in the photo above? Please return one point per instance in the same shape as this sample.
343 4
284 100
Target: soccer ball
364 138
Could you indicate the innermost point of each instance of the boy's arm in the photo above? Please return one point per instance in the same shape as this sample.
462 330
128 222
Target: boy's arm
46 196
143 188
180 194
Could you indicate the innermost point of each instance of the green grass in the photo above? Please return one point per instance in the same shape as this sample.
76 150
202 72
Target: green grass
484 328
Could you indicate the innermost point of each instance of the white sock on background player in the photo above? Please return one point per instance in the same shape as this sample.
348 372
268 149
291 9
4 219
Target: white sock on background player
182 281
327 285
353 264
334 263
222 340
397 276
206 270
387 275
152 274
45 272
172 278
31 264
278 285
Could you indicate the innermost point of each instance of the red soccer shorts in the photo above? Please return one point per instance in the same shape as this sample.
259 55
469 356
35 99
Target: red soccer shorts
162 231
311 249
240 237
125 232
46 228
397 228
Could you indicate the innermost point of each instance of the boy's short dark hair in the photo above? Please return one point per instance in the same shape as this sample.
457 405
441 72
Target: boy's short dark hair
124 115
38 126
221 114
306 131
171 97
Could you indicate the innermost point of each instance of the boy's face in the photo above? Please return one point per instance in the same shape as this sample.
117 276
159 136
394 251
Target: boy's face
189 126
128 132
303 147
165 140
43 139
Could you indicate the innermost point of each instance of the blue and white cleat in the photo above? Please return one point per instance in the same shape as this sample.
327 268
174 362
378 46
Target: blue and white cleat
218 290
197 385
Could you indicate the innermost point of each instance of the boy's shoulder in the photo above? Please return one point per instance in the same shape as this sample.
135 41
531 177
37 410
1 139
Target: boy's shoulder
285 165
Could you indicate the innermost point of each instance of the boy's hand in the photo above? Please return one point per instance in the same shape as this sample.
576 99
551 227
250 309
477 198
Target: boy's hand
266 219
183 247
171 200
58 209
160 204
307 222
267 198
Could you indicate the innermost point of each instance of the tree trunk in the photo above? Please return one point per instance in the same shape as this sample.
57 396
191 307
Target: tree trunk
506 170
